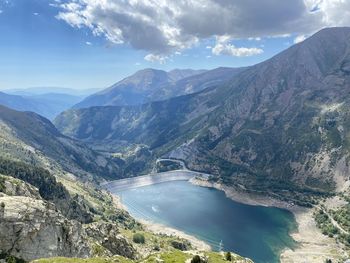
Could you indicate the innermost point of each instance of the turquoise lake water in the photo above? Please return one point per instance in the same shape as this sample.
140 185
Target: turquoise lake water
259 233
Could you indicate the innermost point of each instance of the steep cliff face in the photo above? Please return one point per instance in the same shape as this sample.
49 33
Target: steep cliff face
281 125
32 228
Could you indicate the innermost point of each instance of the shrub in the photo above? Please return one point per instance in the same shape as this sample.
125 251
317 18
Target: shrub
196 259
179 245
228 256
2 184
138 238
156 248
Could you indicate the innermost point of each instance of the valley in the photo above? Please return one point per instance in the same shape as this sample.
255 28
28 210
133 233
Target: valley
230 164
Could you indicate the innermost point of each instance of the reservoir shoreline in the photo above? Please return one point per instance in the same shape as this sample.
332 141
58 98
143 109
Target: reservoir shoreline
166 230
313 246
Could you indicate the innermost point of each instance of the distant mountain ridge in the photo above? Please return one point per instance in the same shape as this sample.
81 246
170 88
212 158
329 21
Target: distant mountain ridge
282 125
48 105
153 85
48 90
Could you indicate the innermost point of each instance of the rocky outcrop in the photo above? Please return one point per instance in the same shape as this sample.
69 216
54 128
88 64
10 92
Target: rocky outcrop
109 237
32 228
15 187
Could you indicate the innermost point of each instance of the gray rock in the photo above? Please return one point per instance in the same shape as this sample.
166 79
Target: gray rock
15 187
108 235
32 228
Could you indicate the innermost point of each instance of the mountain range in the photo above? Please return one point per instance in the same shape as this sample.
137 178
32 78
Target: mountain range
150 85
47 90
280 126
48 105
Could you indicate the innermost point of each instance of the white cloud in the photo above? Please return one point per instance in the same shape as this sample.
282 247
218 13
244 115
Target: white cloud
299 39
231 50
163 27
156 58
254 38
88 43
36 14
335 12
224 47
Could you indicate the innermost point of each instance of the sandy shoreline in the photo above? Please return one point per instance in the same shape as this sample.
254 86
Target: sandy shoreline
313 246
162 229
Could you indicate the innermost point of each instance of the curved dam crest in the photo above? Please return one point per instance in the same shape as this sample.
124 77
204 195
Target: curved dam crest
150 179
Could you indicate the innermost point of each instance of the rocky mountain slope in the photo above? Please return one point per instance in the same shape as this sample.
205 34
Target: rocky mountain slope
31 228
30 138
281 125
46 186
153 85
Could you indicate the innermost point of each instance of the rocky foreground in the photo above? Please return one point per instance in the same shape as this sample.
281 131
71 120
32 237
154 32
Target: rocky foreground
33 229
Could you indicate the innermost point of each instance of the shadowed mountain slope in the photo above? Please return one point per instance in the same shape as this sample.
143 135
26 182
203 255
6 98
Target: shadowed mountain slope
281 125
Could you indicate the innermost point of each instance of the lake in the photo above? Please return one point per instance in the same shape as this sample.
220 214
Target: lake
260 233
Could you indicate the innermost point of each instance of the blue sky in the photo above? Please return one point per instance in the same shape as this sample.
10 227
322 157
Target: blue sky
74 44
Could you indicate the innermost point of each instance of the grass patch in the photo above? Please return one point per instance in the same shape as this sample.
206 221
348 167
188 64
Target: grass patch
82 260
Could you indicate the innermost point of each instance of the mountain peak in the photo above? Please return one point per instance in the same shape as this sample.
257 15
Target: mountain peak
150 84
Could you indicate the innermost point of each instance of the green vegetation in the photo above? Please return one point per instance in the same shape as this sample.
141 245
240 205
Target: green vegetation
98 250
181 245
72 207
164 166
341 216
325 224
2 184
196 259
81 260
157 242
228 256
48 187
10 259
138 238
175 256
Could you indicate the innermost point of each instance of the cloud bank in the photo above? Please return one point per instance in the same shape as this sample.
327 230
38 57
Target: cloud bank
163 27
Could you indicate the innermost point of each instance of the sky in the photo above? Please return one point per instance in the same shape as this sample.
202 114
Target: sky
85 44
